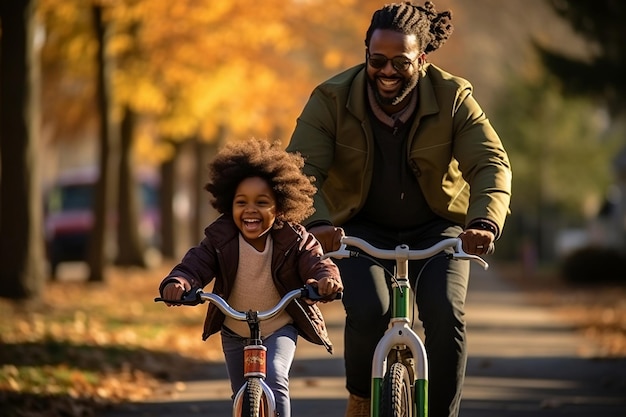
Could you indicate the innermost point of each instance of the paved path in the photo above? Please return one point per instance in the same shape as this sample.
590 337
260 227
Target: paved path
524 361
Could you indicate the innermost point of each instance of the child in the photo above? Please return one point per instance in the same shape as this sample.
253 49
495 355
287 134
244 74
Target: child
257 247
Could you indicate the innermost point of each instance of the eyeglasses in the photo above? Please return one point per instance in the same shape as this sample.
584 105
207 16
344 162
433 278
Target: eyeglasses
399 63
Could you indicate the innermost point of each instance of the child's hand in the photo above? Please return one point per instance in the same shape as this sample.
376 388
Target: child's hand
326 287
173 291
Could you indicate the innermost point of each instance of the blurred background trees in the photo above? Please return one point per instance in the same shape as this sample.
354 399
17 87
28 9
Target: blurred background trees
133 85
597 77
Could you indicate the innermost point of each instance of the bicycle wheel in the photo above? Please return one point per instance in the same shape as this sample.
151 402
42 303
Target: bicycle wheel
254 403
397 399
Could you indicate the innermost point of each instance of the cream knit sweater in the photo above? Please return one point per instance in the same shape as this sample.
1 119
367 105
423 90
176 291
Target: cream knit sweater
254 289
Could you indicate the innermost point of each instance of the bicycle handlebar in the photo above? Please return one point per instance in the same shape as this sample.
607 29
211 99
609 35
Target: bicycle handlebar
198 296
402 252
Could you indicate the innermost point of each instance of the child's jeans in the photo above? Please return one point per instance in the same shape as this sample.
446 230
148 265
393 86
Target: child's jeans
281 348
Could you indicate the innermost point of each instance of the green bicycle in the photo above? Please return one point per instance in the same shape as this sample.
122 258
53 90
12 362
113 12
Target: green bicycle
399 386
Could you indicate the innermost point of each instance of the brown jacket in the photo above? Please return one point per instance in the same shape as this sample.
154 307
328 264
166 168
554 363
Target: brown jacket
296 258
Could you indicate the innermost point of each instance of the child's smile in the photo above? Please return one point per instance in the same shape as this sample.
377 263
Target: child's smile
251 225
254 210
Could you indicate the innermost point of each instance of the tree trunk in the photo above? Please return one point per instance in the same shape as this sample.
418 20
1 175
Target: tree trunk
102 236
22 254
167 209
130 247
168 223
204 213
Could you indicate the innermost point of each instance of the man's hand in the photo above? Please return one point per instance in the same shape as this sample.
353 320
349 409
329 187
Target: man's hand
477 241
328 236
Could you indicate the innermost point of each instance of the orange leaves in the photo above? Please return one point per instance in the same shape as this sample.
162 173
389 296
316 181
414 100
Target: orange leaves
78 350
190 66
140 93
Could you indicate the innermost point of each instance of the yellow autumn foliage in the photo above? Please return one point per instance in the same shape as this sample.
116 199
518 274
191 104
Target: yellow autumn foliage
190 67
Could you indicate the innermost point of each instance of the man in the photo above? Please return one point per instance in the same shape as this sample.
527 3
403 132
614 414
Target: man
402 153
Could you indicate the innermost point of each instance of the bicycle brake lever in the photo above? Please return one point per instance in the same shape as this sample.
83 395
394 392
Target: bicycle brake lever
340 253
459 253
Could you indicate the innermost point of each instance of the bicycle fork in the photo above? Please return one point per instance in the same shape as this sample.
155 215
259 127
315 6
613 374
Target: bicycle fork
399 336
255 368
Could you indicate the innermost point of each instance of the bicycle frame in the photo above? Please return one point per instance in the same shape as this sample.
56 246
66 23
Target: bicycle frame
399 335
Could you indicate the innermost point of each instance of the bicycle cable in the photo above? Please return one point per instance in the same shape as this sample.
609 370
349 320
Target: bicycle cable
392 276
417 280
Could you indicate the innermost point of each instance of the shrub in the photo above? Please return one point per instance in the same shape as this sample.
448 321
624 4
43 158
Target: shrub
594 265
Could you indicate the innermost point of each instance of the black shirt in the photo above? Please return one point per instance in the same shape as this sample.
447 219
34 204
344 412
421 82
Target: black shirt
395 199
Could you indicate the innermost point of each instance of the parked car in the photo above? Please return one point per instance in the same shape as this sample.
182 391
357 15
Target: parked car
69 214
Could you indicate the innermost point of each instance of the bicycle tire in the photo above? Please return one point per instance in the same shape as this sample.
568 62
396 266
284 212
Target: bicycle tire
254 403
397 398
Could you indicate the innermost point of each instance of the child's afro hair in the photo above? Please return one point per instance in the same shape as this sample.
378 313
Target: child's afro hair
282 170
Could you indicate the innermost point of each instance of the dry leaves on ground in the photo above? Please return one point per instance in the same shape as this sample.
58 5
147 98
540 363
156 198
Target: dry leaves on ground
85 346
598 310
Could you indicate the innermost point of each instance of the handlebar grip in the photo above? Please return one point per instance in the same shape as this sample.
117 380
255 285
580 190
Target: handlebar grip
313 295
190 298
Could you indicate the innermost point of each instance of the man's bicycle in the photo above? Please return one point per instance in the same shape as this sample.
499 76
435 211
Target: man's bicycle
399 385
255 398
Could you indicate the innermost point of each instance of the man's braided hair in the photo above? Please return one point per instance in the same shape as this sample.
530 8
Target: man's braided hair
431 28
238 161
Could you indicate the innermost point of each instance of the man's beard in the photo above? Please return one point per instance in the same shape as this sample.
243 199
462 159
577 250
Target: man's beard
407 87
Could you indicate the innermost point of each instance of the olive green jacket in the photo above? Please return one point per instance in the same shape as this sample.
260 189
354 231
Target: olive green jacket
452 148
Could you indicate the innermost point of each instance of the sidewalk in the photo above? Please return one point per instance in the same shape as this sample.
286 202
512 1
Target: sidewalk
523 361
